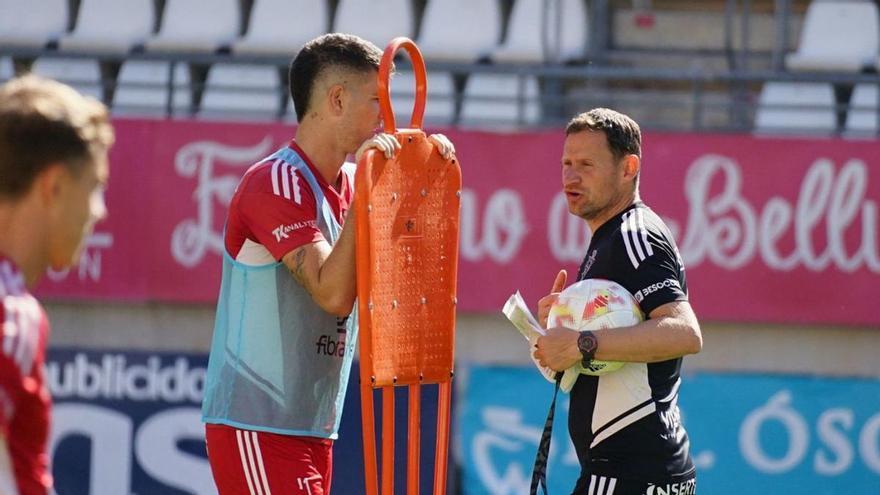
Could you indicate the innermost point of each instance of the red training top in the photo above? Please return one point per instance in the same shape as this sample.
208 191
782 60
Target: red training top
25 402
273 210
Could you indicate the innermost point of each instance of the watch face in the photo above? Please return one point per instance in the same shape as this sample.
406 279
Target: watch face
587 343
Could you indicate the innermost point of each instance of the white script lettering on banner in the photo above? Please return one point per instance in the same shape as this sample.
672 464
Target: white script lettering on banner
193 237
504 438
503 226
89 264
834 451
728 231
506 433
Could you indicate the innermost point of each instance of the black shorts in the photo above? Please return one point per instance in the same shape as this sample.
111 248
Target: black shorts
593 484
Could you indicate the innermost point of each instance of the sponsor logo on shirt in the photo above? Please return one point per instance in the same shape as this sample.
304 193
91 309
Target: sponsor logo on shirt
647 291
589 264
330 346
282 230
688 487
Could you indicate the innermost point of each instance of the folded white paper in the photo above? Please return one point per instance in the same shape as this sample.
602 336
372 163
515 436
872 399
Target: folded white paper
518 313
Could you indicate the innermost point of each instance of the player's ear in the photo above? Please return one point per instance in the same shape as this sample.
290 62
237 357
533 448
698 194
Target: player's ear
631 166
50 181
336 99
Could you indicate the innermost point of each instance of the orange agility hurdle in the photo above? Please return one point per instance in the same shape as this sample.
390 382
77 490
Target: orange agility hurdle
407 258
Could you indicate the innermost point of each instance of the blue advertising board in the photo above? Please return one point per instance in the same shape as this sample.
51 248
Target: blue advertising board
749 433
129 423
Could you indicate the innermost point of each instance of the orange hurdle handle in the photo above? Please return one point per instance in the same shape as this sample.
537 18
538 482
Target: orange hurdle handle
418 64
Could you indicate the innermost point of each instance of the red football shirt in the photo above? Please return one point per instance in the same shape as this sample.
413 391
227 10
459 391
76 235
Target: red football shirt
273 210
25 402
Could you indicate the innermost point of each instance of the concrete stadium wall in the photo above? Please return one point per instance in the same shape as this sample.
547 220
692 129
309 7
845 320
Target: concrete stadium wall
488 339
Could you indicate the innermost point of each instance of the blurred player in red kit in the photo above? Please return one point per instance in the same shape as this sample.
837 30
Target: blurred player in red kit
53 170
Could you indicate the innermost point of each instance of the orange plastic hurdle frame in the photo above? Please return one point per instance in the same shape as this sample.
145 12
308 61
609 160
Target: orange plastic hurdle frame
407 259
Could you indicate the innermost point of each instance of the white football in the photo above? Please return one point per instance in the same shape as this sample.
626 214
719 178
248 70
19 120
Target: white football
595 304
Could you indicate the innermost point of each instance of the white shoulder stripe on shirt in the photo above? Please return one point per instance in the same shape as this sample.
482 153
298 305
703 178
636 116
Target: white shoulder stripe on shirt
633 222
285 179
274 175
9 329
4 282
297 196
644 231
635 237
285 182
20 331
11 283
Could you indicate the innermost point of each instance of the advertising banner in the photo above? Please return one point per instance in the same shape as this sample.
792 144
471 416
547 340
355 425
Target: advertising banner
749 433
770 230
130 423
127 422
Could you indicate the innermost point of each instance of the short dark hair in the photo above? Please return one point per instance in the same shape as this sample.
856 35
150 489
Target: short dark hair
333 50
44 122
623 133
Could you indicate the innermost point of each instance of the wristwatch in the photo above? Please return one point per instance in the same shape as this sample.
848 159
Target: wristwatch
587 344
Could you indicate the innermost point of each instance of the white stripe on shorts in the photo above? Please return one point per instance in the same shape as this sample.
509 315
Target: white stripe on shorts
601 485
244 462
259 455
612 482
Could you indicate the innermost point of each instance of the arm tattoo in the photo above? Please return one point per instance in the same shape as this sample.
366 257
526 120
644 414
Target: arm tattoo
298 259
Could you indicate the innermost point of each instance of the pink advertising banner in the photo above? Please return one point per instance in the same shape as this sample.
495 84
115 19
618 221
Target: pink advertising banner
770 230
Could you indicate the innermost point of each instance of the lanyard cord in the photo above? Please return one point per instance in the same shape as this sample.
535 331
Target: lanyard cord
539 472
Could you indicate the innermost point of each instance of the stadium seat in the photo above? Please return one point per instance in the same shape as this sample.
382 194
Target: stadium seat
861 120
500 100
460 30
269 32
241 91
440 105
525 41
837 36
142 88
45 22
82 74
378 21
796 107
197 26
111 25
7 69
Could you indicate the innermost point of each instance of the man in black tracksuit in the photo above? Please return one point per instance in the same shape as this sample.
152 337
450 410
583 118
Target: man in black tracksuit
625 425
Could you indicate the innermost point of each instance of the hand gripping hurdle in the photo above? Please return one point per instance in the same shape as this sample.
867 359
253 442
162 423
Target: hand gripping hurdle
407 257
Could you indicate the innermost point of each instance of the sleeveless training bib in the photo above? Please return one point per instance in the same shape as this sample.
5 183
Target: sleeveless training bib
278 362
